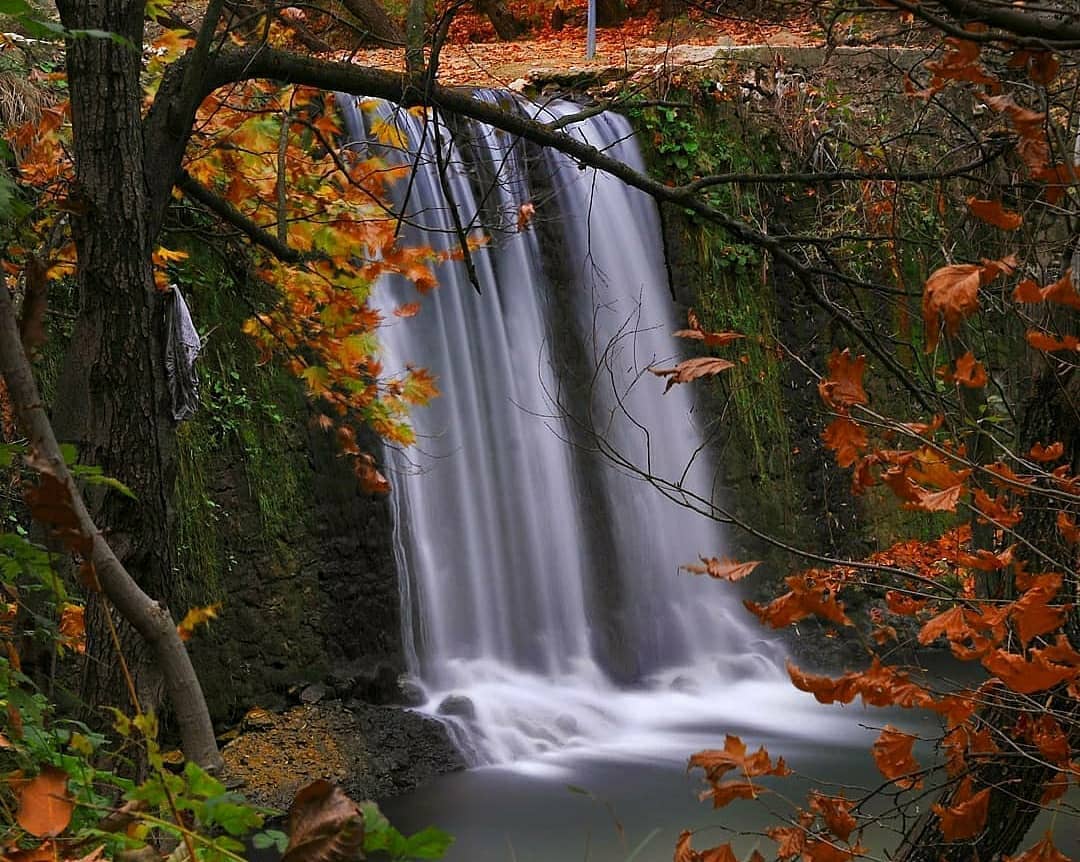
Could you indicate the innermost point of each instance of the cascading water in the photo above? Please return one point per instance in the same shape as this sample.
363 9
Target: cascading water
539 581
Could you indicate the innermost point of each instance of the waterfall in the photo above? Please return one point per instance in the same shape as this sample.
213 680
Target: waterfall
540 581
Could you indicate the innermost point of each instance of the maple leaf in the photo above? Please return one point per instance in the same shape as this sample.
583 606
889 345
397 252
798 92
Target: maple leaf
726 570
969 372
836 812
790 840
845 437
951 293
685 853
1066 524
196 617
73 627
1044 851
1027 676
45 803
525 215
1047 453
806 598
843 387
692 369
966 816
409 309
993 213
892 754
711 339
954 624
935 501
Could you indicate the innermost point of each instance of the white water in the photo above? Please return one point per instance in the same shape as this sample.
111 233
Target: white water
539 581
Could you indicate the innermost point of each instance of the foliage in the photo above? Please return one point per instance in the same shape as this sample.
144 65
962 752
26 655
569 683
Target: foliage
999 587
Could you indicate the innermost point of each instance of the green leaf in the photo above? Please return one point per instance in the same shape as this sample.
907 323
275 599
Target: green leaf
14 7
429 843
270 838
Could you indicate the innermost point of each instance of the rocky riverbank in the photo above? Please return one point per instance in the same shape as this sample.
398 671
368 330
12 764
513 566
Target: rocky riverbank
372 751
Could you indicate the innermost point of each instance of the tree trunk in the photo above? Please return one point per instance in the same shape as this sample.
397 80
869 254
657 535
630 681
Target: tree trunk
111 398
610 13
507 27
1017 783
376 23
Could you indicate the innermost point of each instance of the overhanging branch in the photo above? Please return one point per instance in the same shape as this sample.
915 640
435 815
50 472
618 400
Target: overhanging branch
228 213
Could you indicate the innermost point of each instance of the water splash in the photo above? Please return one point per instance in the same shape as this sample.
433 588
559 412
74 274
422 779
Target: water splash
541 584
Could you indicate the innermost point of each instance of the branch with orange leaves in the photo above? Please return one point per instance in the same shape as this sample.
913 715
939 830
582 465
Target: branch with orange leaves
60 506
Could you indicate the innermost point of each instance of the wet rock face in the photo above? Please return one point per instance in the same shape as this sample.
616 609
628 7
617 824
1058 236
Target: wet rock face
314 601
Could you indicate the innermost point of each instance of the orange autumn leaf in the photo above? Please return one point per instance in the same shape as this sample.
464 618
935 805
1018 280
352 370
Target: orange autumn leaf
951 293
1044 851
846 438
836 812
1027 676
726 570
790 840
1047 453
935 501
195 618
711 339
685 853
733 756
409 309
1066 524
992 212
45 804
892 754
969 372
73 627
966 816
1043 341
525 215
843 387
692 369
806 598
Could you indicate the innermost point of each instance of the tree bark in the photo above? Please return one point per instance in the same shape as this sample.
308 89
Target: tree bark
150 619
507 26
111 398
1017 783
610 13
376 23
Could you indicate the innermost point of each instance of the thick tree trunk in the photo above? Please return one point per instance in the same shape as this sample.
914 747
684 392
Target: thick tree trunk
1017 783
111 398
377 25
610 13
507 26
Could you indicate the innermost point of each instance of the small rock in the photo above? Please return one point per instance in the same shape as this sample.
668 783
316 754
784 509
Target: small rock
684 684
412 693
568 725
313 693
258 718
459 705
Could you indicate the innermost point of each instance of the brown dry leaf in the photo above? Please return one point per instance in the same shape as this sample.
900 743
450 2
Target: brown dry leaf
992 212
196 617
966 817
325 825
843 387
692 369
45 805
725 570
892 754
952 293
525 215
969 371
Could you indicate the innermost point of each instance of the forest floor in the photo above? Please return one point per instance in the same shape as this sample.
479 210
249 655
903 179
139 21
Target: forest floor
473 57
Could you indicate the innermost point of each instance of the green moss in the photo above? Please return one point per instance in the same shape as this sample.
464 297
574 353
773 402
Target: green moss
250 416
